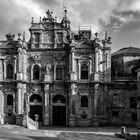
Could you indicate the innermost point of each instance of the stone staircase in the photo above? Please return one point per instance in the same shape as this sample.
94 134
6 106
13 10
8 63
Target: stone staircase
30 123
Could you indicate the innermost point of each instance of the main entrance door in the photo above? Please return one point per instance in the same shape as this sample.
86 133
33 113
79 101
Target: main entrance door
35 109
59 115
59 110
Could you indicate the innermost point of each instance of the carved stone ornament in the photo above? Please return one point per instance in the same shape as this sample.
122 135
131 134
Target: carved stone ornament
10 37
20 50
57 89
83 53
47 68
35 57
59 58
83 88
8 87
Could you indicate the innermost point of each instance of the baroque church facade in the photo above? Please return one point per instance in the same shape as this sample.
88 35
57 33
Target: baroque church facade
57 77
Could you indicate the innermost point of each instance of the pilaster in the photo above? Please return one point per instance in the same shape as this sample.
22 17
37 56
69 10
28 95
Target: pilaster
47 105
24 65
1 108
19 64
32 40
138 112
19 102
95 105
73 74
72 103
40 40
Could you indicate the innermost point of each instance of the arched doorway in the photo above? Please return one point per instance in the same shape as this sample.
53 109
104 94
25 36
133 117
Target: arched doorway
59 110
36 107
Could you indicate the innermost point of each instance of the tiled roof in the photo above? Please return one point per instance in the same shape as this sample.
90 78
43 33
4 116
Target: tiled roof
127 51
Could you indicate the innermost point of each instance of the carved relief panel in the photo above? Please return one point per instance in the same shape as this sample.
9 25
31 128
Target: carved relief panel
48 37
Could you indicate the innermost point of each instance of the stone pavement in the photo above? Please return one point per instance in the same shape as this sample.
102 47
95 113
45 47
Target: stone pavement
61 133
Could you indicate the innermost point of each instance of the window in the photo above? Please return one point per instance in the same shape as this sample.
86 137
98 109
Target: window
9 71
84 115
37 35
134 116
133 103
115 99
60 37
58 72
10 100
36 72
9 114
115 114
84 101
84 71
59 99
35 98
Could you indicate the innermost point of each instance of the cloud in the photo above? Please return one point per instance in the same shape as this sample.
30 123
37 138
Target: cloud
122 14
100 14
16 15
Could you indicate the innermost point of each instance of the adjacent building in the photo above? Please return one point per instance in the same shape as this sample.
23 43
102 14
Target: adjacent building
124 91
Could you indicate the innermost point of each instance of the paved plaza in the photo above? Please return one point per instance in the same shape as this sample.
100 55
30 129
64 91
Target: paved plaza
13 132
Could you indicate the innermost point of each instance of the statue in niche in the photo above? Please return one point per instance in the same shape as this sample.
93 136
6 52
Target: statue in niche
33 38
47 68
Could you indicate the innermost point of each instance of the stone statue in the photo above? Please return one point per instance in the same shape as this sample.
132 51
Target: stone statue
47 68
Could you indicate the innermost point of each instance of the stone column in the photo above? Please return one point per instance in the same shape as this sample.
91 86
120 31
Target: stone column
96 60
95 105
47 106
72 103
55 40
24 65
40 40
19 105
138 112
96 73
73 74
1 108
105 92
72 60
32 40
19 63
19 109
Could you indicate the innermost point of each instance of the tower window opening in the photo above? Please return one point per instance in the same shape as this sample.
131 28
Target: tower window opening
58 72
10 100
84 71
10 71
36 72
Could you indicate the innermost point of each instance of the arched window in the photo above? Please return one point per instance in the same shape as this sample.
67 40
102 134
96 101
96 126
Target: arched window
59 99
36 72
10 100
84 101
36 98
9 71
84 71
58 72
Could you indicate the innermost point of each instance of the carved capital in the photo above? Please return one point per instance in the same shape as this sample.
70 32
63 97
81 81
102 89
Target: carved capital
19 85
46 87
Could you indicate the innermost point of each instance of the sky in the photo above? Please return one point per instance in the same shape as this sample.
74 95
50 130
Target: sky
121 18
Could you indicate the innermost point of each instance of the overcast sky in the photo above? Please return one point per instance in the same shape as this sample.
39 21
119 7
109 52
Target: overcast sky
120 17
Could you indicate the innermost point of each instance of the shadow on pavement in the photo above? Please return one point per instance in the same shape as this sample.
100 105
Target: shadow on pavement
43 138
